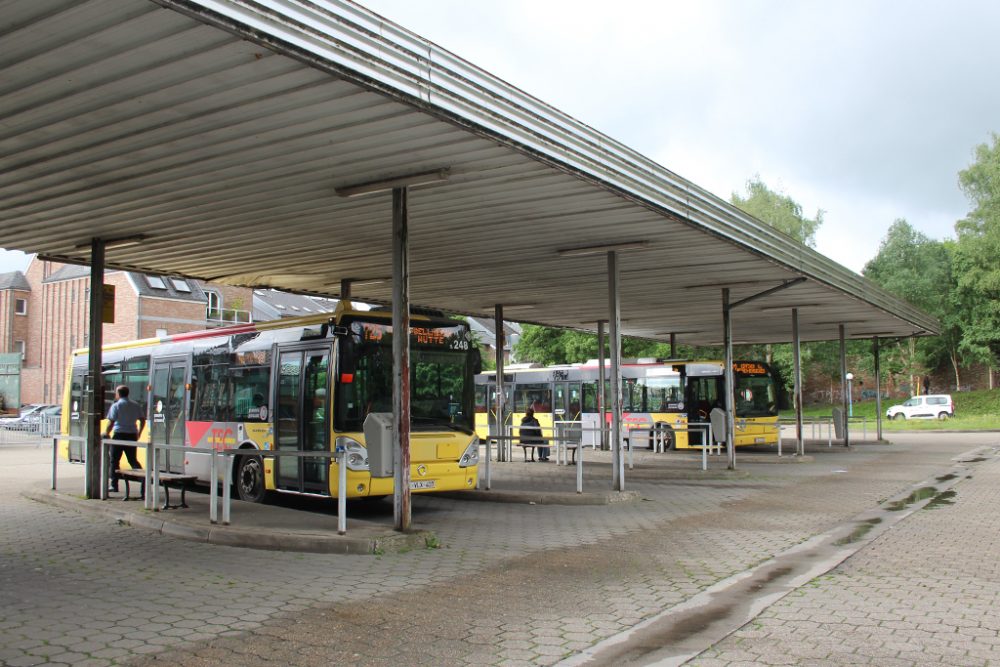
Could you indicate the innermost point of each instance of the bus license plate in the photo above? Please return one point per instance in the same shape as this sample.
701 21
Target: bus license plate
422 484
758 440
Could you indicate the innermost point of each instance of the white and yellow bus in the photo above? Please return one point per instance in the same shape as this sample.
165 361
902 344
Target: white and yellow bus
302 384
659 398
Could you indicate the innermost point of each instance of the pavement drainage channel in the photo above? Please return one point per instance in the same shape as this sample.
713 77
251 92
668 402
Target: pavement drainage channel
682 632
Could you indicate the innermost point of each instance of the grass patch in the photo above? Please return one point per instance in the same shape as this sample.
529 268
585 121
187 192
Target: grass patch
859 532
941 500
975 410
923 493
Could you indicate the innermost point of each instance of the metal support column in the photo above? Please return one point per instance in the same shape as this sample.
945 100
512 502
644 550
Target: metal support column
673 346
502 447
618 475
602 400
95 341
878 388
345 289
800 447
727 326
401 359
843 386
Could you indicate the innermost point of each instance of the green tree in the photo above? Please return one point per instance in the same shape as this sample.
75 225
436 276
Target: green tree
919 270
779 211
548 346
977 254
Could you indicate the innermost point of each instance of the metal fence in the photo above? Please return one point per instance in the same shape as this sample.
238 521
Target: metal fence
29 432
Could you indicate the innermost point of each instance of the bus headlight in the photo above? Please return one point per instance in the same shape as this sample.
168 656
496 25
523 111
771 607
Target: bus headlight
355 453
470 456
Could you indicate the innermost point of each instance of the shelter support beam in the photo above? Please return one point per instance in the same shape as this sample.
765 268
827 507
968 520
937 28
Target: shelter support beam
602 400
800 448
95 343
767 292
673 346
843 386
727 335
345 289
401 359
614 308
502 448
878 388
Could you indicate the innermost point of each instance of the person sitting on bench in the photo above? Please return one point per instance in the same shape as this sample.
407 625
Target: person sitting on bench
531 433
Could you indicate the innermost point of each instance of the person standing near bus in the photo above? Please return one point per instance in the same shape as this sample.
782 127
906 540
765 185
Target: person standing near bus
125 422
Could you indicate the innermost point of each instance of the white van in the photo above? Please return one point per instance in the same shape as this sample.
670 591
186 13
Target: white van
931 406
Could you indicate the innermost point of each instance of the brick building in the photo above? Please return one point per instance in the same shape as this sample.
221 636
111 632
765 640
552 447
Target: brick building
45 316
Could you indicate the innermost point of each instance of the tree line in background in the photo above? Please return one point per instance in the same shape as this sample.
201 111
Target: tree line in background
955 280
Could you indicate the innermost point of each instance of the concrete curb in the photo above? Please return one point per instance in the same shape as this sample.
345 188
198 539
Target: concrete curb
264 539
544 497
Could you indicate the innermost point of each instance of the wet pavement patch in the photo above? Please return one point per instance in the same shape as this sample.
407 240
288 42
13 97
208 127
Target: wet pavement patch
946 478
922 493
859 532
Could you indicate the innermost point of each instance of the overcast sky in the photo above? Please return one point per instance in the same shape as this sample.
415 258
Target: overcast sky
867 110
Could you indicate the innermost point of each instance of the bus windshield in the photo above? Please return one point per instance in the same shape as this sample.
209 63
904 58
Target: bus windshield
441 381
755 396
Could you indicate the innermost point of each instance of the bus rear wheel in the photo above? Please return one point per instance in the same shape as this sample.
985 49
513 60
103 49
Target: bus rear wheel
250 479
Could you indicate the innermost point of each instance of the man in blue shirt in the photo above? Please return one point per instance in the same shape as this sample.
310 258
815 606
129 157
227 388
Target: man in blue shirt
125 422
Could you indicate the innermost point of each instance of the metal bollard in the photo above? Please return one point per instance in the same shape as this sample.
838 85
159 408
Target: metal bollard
489 455
213 490
105 478
579 468
227 483
155 490
704 450
341 495
55 460
150 455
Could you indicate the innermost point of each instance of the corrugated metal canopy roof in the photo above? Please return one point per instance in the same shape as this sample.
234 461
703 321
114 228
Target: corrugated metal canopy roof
220 130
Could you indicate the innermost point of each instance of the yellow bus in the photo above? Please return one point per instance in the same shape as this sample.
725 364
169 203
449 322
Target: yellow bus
565 397
659 398
755 398
303 384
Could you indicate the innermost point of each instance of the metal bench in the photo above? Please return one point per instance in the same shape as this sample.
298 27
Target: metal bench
166 480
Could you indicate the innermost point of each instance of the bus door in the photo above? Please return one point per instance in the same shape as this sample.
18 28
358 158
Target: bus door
491 392
567 406
704 392
301 418
78 422
166 408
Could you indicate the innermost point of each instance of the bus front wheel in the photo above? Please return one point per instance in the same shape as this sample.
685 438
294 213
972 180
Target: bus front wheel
250 479
666 437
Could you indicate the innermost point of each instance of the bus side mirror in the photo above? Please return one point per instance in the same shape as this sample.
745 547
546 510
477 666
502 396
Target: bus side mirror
477 362
348 356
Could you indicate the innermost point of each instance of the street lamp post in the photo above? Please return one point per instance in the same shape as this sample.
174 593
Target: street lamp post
850 397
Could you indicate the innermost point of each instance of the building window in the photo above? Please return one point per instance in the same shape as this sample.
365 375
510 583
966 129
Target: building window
19 348
156 282
20 306
180 285
214 305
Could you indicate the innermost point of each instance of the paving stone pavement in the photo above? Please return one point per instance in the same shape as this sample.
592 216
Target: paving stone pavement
511 585
925 593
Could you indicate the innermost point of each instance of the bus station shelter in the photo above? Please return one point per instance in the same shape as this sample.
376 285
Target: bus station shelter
316 147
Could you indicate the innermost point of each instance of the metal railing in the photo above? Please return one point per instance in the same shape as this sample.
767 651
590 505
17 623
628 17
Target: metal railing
23 431
816 423
152 470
